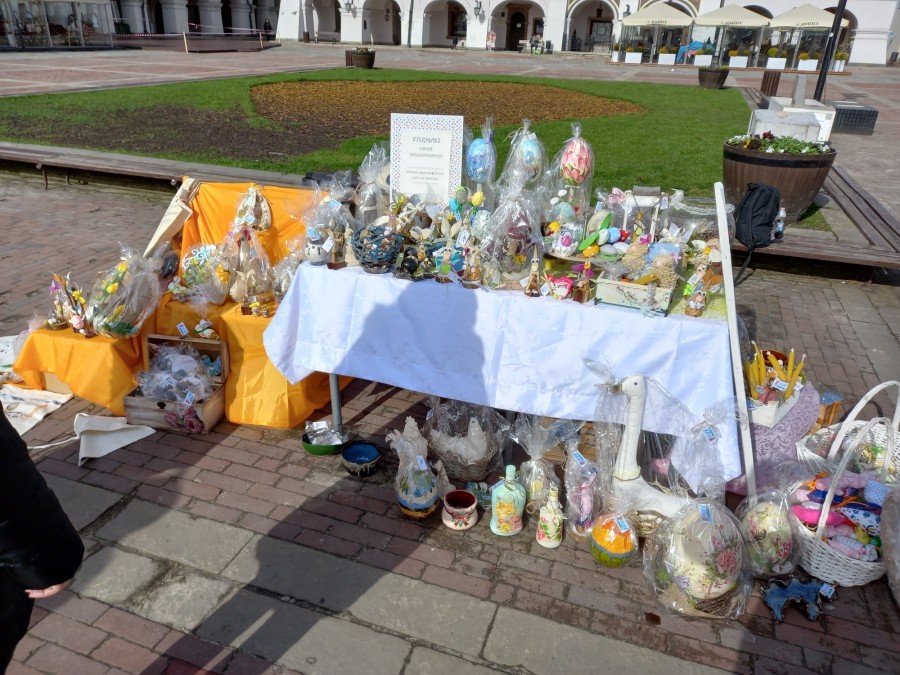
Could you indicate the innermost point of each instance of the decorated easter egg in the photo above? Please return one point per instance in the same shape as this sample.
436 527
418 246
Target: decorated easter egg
770 540
480 160
562 212
613 541
609 249
705 553
577 161
530 156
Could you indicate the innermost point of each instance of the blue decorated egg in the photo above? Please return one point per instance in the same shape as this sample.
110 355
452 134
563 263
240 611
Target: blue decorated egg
530 156
562 212
480 160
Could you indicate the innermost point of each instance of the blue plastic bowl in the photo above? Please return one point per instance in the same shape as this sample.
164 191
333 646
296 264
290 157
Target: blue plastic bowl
360 458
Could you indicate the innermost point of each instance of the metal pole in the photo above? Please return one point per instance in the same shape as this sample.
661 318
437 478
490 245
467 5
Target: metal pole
829 49
337 420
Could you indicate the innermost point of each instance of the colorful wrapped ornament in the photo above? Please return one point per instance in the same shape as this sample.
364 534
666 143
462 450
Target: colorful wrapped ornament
253 210
526 155
481 157
768 532
577 160
124 296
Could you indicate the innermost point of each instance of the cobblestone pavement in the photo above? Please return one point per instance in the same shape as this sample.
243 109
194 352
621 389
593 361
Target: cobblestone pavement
245 555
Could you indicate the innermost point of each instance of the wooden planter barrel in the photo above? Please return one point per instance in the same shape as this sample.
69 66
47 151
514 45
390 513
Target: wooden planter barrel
798 177
362 60
712 78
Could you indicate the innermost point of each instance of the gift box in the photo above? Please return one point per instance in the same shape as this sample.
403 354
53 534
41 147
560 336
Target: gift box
770 414
637 296
185 416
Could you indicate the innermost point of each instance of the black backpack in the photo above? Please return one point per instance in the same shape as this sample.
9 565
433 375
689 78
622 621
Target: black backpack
754 218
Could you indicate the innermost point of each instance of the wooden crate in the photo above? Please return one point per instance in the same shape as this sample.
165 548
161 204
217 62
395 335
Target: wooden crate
154 412
626 294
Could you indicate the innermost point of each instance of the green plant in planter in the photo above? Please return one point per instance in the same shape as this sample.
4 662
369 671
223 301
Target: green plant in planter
769 142
841 56
629 50
708 50
732 52
814 55
772 52
363 50
804 56
744 51
615 47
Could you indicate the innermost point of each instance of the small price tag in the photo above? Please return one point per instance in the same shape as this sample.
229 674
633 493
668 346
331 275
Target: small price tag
429 414
249 218
182 329
312 233
169 381
328 245
578 457
710 434
421 462
523 282
694 278
780 385
664 203
752 404
705 513
189 398
622 524
827 590
545 289
462 238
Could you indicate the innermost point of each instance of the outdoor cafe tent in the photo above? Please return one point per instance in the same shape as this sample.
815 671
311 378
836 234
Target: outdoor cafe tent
730 17
658 15
806 18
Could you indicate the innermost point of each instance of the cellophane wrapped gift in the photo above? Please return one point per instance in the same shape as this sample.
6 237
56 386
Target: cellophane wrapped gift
371 200
124 296
418 486
286 268
327 231
769 535
205 278
513 229
250 274
176 370
253 210
583 497
614 534
527 157
697 563
576 170
481 163
537 435
467 438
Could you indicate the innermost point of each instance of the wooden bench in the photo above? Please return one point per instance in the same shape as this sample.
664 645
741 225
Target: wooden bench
328 36
879 227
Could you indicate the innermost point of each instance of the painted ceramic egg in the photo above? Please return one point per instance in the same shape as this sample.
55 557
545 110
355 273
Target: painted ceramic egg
613 541
530 156
705 553
480 160
770 540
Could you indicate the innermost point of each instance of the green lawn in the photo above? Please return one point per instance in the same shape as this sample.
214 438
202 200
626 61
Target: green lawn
675 143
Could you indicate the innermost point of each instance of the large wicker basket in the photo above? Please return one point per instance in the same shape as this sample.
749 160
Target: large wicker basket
816 556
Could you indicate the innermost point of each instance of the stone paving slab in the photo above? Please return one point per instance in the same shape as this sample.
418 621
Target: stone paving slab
542 646
302 639
201 543
113 576
426 661
182 600
82 503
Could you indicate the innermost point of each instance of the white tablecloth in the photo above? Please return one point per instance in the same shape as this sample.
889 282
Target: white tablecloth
500 348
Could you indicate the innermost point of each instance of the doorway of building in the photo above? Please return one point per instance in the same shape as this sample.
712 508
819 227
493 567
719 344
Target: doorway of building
517 31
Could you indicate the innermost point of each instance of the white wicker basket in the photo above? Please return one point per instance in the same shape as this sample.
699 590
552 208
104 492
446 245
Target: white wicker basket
816 556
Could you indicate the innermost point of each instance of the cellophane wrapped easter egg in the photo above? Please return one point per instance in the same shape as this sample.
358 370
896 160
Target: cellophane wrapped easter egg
526 155
124 296
481 156
697 562
614 542
576 162
253 210
768 532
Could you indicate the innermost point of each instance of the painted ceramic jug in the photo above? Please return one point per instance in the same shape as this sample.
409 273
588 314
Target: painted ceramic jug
507 505
550 525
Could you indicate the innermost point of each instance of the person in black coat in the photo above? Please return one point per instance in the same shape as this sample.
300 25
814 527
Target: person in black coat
40 550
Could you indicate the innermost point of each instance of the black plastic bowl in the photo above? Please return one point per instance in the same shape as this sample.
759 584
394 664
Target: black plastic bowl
360 458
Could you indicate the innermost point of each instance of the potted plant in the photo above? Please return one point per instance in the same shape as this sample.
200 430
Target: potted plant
840 61
362 57
738 58
808 61
704 58
667 56
633 55
797 168
712 77
615 55
777 59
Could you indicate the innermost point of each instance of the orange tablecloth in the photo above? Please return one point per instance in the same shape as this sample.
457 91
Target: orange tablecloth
99 369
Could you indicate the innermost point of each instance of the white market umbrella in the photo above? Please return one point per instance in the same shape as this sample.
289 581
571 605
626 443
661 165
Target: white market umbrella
732 16
806 18
658 15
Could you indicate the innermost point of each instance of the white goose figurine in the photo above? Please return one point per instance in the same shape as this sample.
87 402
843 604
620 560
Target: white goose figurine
627 484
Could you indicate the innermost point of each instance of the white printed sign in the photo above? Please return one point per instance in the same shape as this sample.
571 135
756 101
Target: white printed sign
426 155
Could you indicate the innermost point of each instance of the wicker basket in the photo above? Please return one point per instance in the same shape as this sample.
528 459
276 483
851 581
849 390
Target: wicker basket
816 556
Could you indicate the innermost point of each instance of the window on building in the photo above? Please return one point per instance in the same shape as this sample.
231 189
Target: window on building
456 20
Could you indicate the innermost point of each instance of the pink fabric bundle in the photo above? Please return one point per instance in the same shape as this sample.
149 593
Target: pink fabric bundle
848 480
850 547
